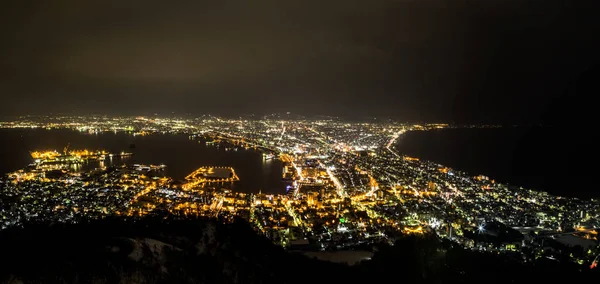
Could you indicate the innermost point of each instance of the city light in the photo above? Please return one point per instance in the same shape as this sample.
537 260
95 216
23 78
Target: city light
343 185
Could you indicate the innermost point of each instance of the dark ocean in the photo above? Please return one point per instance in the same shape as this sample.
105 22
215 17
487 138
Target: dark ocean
549 159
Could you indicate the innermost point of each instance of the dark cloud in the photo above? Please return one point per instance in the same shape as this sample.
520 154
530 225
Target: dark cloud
409 59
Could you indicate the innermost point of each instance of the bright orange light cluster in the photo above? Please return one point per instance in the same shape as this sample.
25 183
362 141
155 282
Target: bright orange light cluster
198 177
417 230
49 155
44 154
85 153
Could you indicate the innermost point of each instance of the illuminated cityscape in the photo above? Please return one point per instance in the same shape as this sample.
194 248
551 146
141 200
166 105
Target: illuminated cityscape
299 142
346 186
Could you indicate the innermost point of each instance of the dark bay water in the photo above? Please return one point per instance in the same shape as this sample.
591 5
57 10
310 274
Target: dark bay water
551 159
178 152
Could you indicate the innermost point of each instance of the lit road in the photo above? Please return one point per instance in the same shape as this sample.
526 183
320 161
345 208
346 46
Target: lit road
340 188
297 221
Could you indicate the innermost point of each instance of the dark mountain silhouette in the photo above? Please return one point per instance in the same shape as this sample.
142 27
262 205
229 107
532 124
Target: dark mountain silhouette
164 250
152 250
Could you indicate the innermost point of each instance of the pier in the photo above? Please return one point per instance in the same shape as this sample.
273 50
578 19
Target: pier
210 175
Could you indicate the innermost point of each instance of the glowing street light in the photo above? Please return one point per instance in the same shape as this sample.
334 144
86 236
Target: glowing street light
481 228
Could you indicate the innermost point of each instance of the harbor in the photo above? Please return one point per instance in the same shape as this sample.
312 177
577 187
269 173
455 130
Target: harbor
73 156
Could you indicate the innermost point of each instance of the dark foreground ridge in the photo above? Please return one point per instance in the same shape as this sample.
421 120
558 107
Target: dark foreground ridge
163 250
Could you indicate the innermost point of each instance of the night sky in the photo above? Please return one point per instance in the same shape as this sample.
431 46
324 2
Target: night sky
431 60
